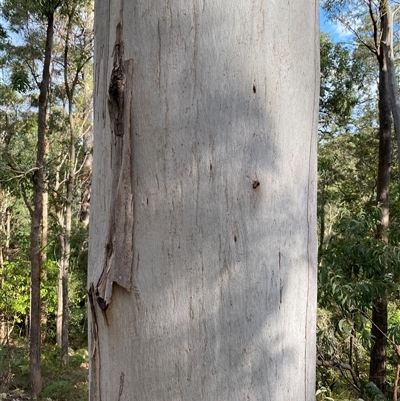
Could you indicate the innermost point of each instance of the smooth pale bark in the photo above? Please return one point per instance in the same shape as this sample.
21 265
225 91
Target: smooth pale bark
214 123
62 207
387 53
87 127
44 239
5 227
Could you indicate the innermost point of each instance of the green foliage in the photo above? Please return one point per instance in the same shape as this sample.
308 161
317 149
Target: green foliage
19 12
360 263
60 383
374 392
48 285
21 60
58 390
65 383
14 367
356 265
14 295
20 80
322 394
341 79
336 8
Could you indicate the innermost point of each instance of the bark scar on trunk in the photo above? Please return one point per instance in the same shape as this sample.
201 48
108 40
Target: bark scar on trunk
94 355
118 254
121 385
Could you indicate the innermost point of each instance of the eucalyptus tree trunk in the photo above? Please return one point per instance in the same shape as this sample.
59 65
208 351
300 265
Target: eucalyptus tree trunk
65 222
377 368
44 238
86 178
65 212
87 138
77 116
62 297
203 245
377 371
36 217
388 53
5 227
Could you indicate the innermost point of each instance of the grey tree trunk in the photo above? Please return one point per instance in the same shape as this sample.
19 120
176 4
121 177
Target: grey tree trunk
388 55
73 69
203 246
86 178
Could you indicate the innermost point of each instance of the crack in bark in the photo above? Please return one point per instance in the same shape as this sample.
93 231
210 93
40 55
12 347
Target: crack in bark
94 354
121 385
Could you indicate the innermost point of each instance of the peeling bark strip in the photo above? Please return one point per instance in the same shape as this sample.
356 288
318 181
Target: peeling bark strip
118 257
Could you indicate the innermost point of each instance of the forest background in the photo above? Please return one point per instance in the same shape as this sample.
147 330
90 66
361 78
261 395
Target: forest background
46 93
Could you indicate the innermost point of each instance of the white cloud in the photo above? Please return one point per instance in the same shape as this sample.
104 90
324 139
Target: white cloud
340 30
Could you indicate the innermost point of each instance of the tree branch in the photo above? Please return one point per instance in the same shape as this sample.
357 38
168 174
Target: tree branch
343 366
26 201
387 338
358 37
374 20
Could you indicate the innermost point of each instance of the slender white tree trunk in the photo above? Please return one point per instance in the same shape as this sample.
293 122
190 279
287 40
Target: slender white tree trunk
202 266
387 50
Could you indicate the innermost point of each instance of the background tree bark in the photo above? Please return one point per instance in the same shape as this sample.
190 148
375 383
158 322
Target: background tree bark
377 371
36 217
210 125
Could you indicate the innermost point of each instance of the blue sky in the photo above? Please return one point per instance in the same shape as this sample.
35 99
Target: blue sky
335 30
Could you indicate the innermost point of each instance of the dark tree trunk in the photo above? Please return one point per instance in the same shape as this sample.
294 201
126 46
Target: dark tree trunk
36 217
377 368
377 372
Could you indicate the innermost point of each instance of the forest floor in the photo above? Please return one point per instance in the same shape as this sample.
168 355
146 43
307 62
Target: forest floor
60 383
